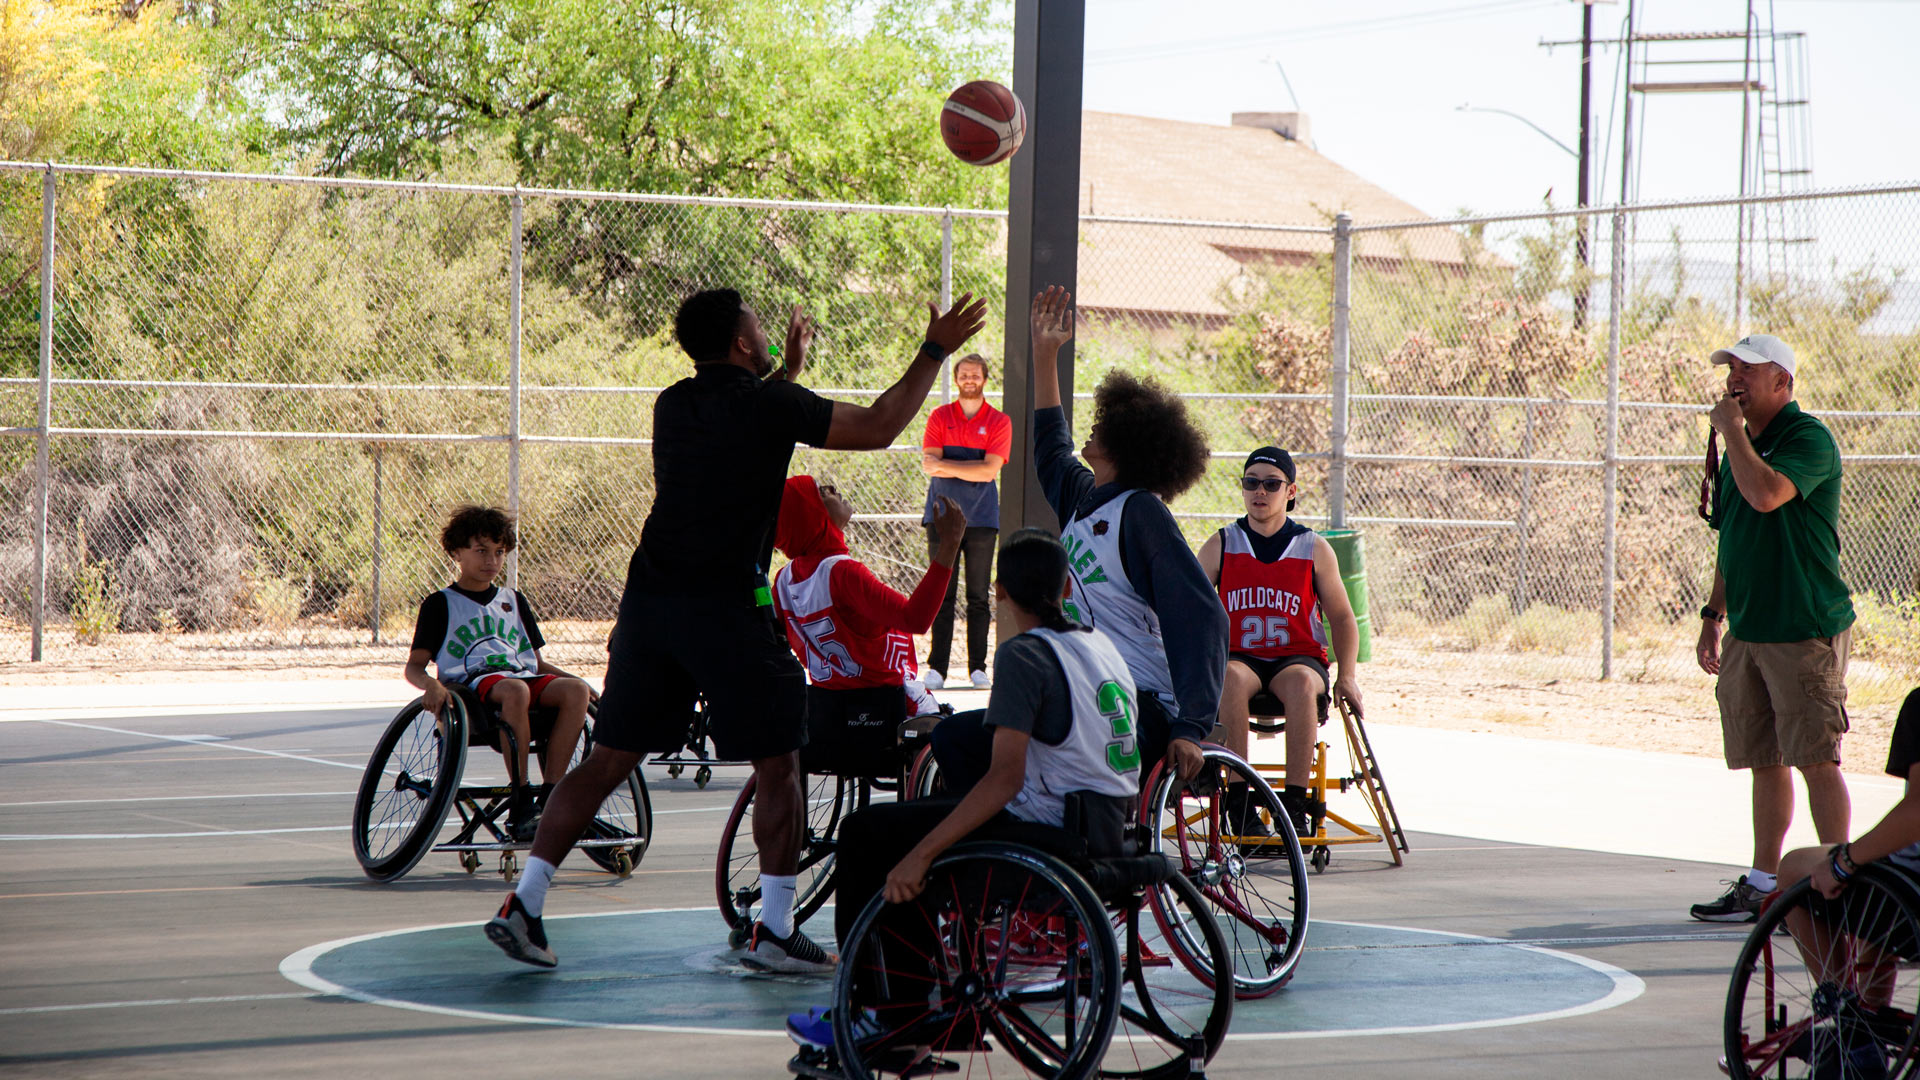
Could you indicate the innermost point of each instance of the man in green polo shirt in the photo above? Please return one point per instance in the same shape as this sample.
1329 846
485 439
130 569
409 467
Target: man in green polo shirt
1782 667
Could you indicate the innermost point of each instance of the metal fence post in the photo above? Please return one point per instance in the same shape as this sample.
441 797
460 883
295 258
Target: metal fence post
42 464
946 296
1616 294
1342 309
513 382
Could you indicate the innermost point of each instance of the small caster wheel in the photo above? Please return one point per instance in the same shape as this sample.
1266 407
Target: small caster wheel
470 861
674 771
1321 856
737 937
509 865
701 777
623 863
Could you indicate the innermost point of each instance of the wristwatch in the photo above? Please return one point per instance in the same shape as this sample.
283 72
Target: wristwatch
1707 613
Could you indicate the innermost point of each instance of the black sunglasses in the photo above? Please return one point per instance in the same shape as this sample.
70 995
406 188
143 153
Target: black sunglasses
1255 483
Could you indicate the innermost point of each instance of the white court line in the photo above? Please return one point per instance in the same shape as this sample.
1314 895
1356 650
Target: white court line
180 798
298 968
263 832
221 1000
201 741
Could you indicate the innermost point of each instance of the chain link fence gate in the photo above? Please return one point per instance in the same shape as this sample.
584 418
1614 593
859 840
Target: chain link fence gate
258 398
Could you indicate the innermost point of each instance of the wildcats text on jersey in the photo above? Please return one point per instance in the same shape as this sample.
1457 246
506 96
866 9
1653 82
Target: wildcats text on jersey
1262 597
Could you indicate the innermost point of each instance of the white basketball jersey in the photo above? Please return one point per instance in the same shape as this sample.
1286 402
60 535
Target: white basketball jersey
1104 599
1102 750
485 639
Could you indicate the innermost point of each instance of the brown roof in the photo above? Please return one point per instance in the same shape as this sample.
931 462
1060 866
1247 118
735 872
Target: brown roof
1138 166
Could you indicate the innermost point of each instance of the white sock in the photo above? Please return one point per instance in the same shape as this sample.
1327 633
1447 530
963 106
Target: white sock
1762 880
776 903
532 889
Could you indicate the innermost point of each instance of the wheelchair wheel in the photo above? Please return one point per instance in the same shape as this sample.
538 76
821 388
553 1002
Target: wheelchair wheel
1168 1014
1256 887
408 788
625 814
736 872
923 780
1855 1016
1014 952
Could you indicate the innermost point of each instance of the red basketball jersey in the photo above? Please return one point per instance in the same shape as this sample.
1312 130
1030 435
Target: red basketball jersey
1272 609
822 637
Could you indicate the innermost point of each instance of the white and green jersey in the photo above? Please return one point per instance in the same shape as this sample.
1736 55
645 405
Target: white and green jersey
1104 599
1102 749
485 639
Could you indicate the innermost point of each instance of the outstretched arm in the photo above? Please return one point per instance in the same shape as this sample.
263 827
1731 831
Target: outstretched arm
1050 328
871 427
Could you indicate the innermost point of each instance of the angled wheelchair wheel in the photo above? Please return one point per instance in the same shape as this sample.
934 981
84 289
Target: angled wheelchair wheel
411 779
1170 1017
625 816
1835 996
736 872
1005 965
923 780
1255 885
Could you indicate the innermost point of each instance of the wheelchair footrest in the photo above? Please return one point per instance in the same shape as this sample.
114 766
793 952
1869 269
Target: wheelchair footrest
526 845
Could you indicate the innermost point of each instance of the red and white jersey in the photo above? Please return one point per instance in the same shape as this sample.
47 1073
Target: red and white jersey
1272 609
835 656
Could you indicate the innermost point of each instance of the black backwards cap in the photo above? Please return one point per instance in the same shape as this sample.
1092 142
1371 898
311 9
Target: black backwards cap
1276 457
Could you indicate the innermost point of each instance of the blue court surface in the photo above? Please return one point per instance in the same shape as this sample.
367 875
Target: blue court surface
180 898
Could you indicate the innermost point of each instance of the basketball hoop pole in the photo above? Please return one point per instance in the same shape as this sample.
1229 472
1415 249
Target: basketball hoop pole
1043 226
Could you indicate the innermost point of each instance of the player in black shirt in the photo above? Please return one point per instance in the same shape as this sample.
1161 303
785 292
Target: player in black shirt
697 614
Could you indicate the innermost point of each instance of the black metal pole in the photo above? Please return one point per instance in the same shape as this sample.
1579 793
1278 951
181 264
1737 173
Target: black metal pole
1582 294
1043 224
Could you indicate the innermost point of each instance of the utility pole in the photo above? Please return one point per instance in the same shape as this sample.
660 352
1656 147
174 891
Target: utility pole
1582 295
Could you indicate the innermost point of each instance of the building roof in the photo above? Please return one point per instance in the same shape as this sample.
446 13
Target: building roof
1138 166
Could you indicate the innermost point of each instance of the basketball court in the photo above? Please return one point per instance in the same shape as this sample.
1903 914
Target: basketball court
181 899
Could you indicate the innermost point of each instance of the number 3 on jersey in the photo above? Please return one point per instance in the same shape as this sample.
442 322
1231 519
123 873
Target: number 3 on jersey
1263 633
1123 753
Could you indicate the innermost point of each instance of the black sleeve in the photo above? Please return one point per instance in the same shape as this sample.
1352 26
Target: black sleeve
1167 575
1903 750
430 626
532 624
796 412
1030 691
1062 478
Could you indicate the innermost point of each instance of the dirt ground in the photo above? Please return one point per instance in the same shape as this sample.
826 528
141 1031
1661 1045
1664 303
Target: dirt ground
1521 694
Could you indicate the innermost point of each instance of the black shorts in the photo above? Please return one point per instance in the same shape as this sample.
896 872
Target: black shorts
666 649
1265 670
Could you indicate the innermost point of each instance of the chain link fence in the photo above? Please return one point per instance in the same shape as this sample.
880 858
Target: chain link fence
264 394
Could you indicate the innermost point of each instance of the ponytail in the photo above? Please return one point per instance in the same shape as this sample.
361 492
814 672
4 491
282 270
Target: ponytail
1033 571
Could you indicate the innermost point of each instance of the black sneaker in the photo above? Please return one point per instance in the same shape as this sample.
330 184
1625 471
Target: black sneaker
1740 903
1304 813
1245 823
795 954
520 935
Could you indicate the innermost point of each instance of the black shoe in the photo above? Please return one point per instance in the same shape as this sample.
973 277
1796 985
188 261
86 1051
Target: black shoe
1303 813
1250 828
1740 903
520 935
795 954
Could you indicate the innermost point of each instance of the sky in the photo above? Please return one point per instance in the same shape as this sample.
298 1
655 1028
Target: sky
1382 81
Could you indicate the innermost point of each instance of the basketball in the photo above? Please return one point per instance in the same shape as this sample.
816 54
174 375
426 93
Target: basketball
983 123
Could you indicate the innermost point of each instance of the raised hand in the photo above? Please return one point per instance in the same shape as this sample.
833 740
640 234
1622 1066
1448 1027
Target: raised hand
1051 321
963 320
799 339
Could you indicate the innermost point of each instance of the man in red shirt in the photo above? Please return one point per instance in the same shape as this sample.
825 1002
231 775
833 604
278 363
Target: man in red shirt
966 444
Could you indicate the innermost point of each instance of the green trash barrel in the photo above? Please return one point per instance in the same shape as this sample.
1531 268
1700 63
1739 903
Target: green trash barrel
1349 548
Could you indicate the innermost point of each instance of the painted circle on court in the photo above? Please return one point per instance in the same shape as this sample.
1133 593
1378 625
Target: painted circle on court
670 970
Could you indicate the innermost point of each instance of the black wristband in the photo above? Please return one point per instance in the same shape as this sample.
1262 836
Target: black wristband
1843 854
1708 614
932 349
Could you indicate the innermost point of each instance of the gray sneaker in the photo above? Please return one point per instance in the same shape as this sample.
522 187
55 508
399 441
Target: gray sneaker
795 954
1740 903
520 935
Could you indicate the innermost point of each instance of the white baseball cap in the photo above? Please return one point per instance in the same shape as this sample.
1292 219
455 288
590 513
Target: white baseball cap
1758 349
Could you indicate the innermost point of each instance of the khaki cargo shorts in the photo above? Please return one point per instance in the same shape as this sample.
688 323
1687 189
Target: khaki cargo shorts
1783 703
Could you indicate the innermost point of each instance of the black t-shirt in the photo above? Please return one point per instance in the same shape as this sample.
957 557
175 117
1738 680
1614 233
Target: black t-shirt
430 626
1903 750
1268 548
722 441
1030 690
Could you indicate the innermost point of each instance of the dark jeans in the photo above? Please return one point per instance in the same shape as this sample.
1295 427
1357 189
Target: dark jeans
963 747
976 552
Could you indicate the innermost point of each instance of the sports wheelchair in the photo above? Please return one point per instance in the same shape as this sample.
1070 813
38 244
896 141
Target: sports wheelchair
860 742
1059 955
1254 886
413 781
1854 1016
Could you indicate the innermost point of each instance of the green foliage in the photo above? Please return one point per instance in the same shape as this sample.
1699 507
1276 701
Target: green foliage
94 607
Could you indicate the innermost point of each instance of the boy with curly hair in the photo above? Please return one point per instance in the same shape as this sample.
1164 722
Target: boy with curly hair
484 637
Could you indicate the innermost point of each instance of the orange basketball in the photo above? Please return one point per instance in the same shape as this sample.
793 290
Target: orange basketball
983 123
